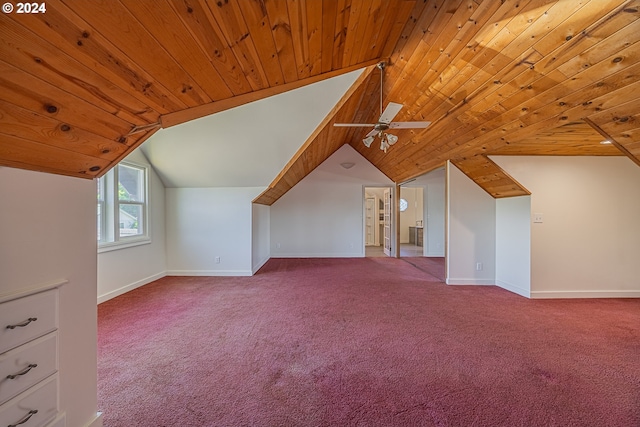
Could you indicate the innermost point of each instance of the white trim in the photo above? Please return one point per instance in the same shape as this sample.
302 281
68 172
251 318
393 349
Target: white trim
97 421
36 289
483 282
114 246
212 273
513 288
586 294
127 241
129 287
259 265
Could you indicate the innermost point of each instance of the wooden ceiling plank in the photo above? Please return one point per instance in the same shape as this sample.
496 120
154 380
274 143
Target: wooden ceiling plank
427 50
329 16
298 21
420 20
29 54
584 27
470 80
439 89
26 124
611 135
314 36
183 116
513 57
431 130
403 19
61 31
490 177
259 26
46 158
340 33
623 38
113 21
156 17
282 35
229 18
375 20
199 21
358 19
37 95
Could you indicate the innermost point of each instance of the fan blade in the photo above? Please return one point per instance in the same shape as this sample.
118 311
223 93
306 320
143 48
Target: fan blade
408 125
356 125
373 132
390 112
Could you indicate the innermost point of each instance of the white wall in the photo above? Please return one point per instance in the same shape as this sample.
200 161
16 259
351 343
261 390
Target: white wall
588 243
471 231
513 244
48 233
122 270
323 215
260 235
205 223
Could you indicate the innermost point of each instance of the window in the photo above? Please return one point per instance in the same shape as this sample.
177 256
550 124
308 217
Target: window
122 207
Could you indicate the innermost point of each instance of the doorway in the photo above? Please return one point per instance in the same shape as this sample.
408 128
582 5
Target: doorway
378 230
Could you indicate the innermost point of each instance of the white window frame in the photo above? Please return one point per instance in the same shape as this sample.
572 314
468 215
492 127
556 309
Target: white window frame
110 207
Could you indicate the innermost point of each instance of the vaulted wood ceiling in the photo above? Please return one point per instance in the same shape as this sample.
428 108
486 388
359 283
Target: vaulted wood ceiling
88 81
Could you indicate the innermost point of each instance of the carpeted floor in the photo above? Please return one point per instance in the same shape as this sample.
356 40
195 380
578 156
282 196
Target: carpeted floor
362 342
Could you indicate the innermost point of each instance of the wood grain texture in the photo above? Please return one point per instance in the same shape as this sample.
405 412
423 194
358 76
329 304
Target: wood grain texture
512 77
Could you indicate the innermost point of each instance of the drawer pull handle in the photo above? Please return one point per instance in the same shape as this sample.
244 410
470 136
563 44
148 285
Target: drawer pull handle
24 371
23 324
25 419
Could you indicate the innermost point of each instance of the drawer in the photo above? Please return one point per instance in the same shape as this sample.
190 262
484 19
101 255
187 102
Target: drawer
39 404
16 318
35 360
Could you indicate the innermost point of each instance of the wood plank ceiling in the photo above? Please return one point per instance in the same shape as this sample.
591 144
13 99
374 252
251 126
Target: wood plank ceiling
86 82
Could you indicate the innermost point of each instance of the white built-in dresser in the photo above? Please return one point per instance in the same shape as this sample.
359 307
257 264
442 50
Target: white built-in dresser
29 358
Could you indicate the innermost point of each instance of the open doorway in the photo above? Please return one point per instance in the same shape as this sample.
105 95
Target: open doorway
422 222
377 221
411 221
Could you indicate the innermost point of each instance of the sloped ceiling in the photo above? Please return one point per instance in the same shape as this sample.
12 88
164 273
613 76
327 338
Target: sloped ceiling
245 146
86 82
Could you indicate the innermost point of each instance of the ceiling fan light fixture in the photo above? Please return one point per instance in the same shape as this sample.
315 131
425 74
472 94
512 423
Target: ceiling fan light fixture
391 139
367 141
384 144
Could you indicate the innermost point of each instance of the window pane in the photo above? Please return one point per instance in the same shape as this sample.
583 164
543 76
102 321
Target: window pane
131 184
131 220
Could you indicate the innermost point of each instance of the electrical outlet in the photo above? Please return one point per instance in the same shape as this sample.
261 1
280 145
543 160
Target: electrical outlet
217 260
537 218
478 266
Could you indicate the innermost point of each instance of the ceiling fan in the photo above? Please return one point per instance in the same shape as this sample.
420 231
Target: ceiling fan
385 121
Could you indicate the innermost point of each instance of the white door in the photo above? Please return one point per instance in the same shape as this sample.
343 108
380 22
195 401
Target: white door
370 223
387 222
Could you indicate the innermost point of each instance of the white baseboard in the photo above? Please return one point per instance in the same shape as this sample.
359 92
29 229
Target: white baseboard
130 287
513 288
483 282
259 265
97 421
209 273
586 294
435 254
319 255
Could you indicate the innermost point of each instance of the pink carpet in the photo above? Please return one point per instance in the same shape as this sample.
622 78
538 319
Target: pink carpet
362 342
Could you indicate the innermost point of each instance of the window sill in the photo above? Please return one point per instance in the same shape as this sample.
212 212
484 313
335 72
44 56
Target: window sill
114 246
